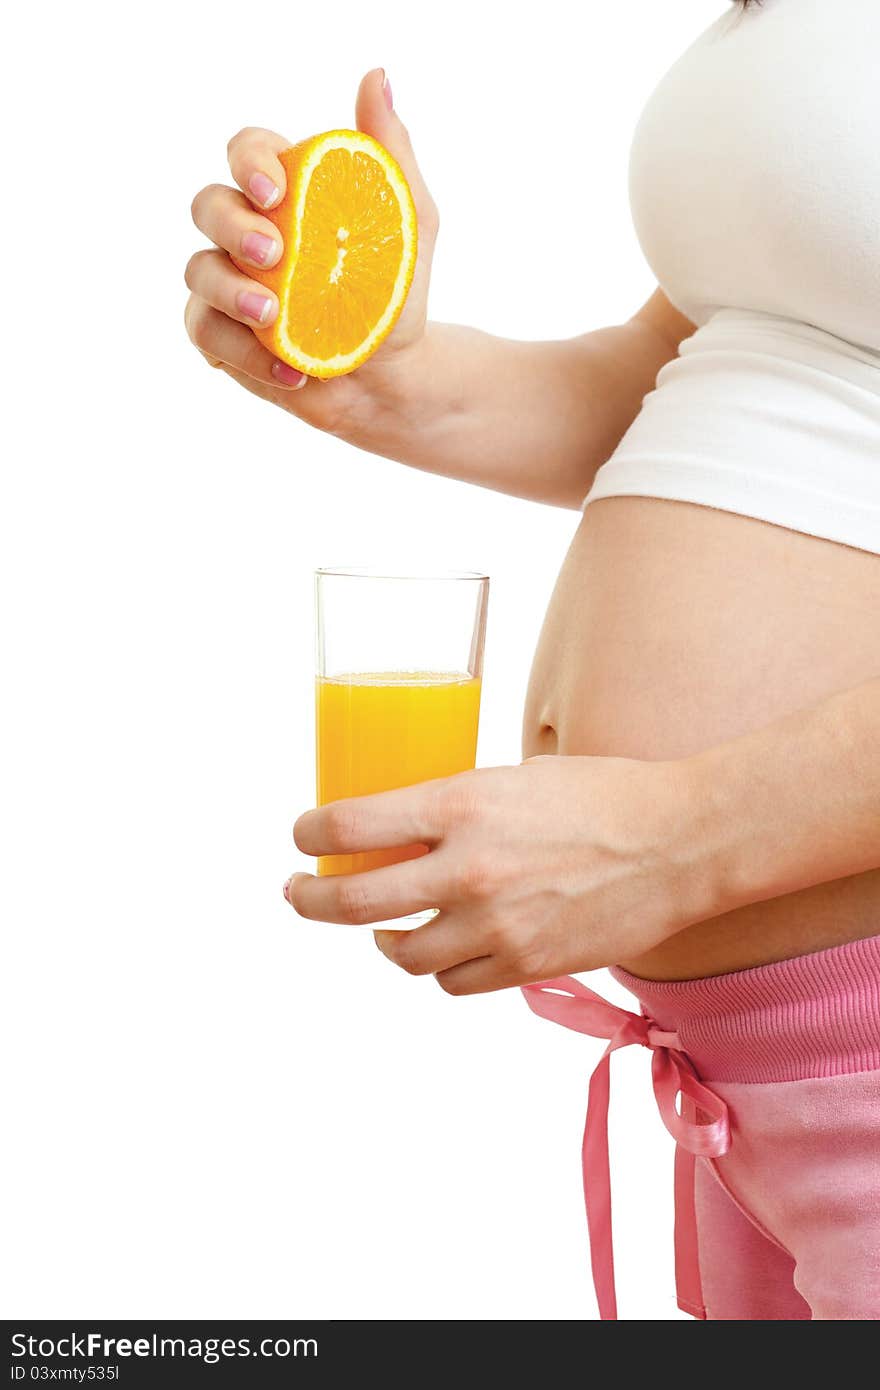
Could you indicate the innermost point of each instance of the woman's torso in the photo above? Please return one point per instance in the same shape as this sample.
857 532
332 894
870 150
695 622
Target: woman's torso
674 627
677 621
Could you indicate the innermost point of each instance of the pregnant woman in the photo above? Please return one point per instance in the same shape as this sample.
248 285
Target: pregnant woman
709 667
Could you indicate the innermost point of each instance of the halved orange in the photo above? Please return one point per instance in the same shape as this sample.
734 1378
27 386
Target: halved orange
349 227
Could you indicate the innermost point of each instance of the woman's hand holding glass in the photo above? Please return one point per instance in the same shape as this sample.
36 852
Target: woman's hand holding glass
556 865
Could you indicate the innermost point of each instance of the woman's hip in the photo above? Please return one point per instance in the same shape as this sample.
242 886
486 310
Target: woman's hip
792 1050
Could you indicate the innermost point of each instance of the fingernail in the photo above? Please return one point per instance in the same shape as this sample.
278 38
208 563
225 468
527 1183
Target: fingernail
288 376
259 248
284 890
254 306
387 94
264 190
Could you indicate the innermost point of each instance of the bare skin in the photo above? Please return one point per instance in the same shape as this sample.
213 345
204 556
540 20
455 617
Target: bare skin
674 628
705 685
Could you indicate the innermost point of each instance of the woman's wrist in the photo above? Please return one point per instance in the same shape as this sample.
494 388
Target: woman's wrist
398 393
712 836
688 845
791 805
725 840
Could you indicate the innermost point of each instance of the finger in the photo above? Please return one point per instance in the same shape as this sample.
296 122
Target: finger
228 219
231 345
375 115
437 946
357 899
256 168
407 816
479 976
284 397
212 276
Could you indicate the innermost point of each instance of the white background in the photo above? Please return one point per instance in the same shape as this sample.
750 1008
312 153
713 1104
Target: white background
215 1109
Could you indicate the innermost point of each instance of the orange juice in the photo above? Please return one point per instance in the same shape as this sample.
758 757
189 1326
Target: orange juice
380 730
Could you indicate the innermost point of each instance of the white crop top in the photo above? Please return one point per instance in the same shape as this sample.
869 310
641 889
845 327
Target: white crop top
755 188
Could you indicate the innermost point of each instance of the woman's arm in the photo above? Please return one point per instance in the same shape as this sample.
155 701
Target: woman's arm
570 863
533 419
794 804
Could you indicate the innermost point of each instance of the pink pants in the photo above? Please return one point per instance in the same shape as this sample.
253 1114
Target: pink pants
785 1059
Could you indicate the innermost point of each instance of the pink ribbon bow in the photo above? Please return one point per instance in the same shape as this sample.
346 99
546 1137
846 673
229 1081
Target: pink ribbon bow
701 1130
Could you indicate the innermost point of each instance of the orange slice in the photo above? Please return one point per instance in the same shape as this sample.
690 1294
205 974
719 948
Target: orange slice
349 227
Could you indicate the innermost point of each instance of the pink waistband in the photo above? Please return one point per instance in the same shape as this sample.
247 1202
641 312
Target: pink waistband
814 1015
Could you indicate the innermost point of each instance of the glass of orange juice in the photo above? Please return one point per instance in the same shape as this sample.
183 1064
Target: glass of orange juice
397 700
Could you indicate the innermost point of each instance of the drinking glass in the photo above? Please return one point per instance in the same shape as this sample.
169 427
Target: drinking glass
399 673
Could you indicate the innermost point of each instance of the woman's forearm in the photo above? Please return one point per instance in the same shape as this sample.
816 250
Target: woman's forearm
794 804
532 419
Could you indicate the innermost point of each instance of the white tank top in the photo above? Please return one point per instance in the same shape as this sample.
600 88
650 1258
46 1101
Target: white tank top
755 187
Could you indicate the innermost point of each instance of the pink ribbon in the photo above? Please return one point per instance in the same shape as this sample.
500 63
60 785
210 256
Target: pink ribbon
701 1130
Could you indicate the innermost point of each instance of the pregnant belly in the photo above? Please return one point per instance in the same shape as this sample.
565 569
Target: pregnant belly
674 627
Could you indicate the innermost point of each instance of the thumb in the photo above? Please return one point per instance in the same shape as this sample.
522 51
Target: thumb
375 115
